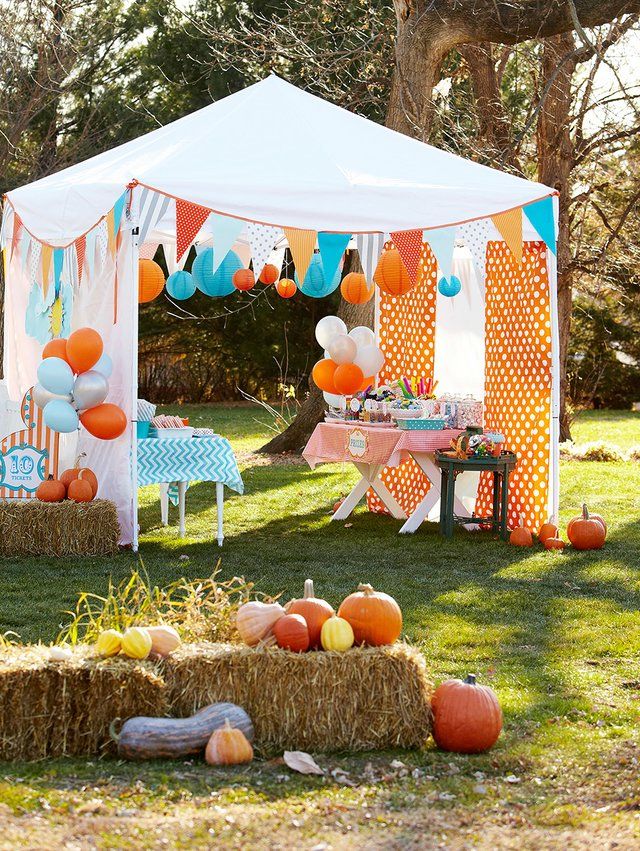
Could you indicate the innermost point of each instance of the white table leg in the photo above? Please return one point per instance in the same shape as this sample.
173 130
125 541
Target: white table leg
164 503
426 462
182 498
219 507
369 479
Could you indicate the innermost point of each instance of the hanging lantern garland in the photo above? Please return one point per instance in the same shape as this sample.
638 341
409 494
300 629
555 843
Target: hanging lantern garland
286 288
391 275
244 280
354 288
150 280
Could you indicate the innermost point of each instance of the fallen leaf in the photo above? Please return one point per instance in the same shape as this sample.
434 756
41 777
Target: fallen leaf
301 762
511 778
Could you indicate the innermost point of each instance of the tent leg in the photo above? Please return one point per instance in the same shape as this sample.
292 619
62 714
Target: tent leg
554 460
134 385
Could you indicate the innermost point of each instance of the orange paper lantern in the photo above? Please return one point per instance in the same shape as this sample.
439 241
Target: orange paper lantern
354 288
244 280
150 280
105 421
286 288
348 379
323 373
269 274
84 348
391 275
55 349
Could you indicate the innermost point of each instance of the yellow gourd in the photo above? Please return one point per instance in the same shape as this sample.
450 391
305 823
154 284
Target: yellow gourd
109 642
136 642
336 634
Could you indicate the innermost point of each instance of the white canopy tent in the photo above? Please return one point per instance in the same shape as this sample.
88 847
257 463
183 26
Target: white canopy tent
331 171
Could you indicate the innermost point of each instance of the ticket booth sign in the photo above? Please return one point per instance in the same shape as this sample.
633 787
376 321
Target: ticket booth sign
23 467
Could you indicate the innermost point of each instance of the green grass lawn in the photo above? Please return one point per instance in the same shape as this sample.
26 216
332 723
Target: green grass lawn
556 634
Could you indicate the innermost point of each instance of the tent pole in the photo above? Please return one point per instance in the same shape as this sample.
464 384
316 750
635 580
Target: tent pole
552 271
134 381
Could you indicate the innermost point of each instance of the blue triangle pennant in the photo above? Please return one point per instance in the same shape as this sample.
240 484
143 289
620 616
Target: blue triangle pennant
58 261
441 242
332 246
540 214
118 207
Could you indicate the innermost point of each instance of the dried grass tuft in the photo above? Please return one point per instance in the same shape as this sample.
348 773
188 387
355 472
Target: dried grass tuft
31 527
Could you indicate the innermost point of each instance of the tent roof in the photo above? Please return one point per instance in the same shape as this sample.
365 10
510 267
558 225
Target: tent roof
275 154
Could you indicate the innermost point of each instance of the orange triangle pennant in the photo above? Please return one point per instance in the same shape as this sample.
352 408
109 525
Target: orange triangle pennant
111 232
45 259
17 229
81 247
509 226
302 244
409 245
189 219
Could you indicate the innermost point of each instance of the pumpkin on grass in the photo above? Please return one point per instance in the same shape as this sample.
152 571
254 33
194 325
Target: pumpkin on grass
521 536
548 530
375 617
587 531
466 716
291 633
554 544
314 610
255 620
228 746
51 490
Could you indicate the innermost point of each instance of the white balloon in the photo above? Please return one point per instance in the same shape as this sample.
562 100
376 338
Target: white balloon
334 400
370 359
41 396
342 349
90 389
363 336
327 328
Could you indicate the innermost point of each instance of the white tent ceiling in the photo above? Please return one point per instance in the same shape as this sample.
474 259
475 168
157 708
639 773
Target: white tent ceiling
278 155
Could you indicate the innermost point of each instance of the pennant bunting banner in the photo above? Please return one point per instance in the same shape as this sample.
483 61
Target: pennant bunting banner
409 245
261 238
90 253
332 246
35 266
476 235
24 250
81 246
243 250
111 234
117 211
225 231
102 241
302 244
47 254
541 217
17 230
58 262
442 242
7 213
370 246
509 227
148 250
189 220
152 208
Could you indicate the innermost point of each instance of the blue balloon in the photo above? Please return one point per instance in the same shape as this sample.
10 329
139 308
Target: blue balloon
449 286
60 416
104 365
314 283
221 283
56 376
180 285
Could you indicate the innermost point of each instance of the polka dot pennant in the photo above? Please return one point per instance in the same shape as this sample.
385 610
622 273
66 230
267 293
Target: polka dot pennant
476 235
189 219
518 376
409 245
261 238
407 334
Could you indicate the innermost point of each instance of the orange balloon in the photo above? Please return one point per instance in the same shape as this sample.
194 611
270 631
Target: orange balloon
354 288
84 348
391 275
286 288
368 382
348 379
150 280
243 280
323 373
105 421
55 349
269 274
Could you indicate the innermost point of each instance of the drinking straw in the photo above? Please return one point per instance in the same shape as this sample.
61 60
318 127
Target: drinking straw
408 386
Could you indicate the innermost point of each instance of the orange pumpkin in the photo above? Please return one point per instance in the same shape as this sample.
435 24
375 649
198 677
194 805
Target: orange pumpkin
554 544
88 475
347 378
547 530
243 280
375 617
150 280
521 536
291 633
323 374
466 716
51 490
391 275
587 531
270 274
354 288
228 746
314 610
286 288
80 489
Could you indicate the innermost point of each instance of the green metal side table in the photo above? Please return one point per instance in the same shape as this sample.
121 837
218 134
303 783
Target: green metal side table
450 469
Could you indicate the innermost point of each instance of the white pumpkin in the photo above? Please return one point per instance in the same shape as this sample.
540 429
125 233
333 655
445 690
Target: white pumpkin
255 620
164 639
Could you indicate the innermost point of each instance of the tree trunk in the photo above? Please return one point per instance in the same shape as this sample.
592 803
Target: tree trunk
556 159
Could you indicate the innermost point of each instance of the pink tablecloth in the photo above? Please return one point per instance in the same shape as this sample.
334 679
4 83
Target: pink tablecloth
380 446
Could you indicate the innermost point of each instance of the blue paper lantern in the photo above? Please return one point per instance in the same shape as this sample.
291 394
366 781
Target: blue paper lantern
449 286
181 285
221 283
314 283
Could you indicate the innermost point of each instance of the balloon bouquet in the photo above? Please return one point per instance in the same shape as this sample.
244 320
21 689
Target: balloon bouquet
351 360
73 384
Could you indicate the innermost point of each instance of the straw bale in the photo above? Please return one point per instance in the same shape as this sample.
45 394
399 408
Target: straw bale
367 698
31 527
50 709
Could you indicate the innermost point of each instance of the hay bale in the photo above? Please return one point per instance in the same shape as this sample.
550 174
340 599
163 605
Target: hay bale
54 709
364 699
34 528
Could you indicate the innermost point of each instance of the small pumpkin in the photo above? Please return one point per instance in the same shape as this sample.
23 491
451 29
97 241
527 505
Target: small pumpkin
587 531
256 619
51 490
554 544
466 716
136 642
291 633
337 634
375 617
521 536
72 473
109 642
314 610
228 746
337 505
164 639
80 489
548 530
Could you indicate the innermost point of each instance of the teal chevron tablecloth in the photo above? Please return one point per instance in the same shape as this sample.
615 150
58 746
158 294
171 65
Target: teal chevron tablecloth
204 459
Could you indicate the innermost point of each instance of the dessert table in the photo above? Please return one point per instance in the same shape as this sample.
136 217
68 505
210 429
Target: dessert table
370 449
182 460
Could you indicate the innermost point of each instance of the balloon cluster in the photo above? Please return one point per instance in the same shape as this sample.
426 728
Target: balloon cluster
73 384
351 360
